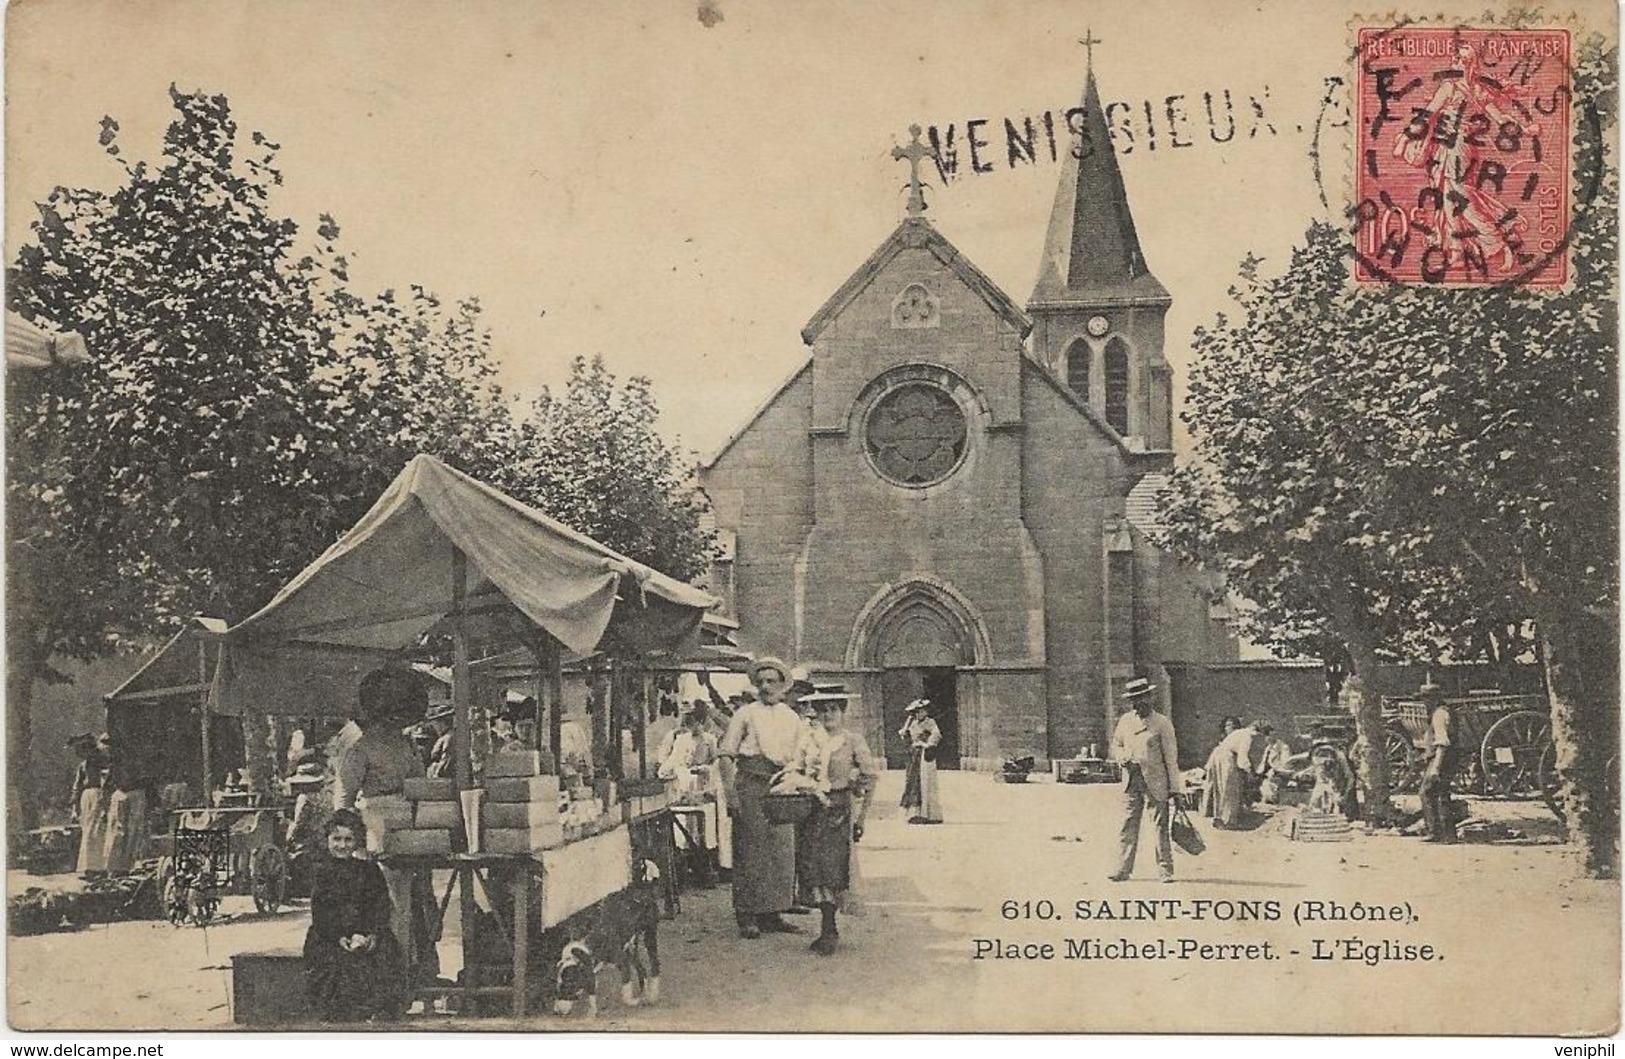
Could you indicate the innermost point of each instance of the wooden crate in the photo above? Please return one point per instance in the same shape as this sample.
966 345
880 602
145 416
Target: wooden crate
268 989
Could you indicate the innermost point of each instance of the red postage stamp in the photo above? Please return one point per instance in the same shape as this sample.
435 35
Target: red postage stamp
1462 167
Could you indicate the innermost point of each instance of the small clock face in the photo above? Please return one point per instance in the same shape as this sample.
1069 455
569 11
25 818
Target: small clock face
1098 325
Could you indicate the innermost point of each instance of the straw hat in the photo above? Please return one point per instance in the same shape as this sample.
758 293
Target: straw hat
767 662
1137 687
827 697
801 681
917 704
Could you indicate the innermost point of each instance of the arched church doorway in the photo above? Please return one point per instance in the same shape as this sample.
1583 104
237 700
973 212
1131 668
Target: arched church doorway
919 645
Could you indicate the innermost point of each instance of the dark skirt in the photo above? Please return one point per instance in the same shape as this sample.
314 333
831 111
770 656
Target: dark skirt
911 781
354 987
824 849
764 866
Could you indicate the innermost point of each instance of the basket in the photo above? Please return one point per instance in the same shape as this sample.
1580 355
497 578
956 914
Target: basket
788 808
1311 826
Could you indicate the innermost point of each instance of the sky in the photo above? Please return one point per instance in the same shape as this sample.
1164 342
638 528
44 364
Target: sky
623 178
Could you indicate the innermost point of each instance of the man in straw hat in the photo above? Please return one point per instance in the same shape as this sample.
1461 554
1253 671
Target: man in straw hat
1143 743
762 738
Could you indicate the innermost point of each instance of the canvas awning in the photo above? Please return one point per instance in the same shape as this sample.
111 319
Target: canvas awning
184 666
28 345
388 582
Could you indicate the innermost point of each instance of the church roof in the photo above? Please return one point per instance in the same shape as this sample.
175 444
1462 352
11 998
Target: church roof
1141 507
1092 253
1066 392
761 409
916 232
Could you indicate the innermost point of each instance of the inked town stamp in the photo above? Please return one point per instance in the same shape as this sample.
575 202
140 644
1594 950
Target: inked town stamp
1462 156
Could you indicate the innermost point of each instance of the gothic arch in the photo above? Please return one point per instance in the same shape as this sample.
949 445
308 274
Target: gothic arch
1117 385
920 621
1080 357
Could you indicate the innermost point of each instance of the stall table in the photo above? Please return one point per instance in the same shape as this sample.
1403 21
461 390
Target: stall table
523 868
1086 770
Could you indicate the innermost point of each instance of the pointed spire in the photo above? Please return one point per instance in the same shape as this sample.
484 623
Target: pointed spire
1092 251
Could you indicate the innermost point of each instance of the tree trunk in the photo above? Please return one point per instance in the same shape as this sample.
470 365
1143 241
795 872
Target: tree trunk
22 674
1370 747
1582 684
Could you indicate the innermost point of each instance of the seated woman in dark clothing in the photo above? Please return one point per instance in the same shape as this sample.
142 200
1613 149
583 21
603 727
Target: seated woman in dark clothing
353 966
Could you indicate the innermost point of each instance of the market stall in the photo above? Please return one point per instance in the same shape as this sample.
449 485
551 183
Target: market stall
627 713
441 554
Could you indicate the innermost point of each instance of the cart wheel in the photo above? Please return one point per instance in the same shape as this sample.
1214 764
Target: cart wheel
1403 774
1551 784
268 871
1511 754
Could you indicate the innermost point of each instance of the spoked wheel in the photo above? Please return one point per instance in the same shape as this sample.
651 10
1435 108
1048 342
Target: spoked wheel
1404 772
268 872
1511 754
1551 784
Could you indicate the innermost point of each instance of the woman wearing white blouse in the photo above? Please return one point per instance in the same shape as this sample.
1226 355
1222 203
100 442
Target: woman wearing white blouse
920 786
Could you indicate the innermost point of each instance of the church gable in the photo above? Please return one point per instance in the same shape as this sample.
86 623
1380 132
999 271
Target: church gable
912 307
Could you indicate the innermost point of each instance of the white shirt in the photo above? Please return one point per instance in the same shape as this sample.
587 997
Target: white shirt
773 732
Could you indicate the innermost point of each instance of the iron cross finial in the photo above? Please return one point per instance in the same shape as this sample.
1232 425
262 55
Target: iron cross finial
1089 40
914 152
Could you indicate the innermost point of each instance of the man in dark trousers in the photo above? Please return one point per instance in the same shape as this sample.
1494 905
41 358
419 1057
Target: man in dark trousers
1444 757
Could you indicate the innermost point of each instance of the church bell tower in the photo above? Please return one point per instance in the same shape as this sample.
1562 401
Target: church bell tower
1097 310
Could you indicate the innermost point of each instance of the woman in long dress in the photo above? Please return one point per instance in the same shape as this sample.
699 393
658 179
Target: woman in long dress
90 802
353 965
1228 768
844 773
127 829
920 786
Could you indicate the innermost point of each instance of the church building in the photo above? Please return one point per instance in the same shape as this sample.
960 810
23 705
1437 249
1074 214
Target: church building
950 497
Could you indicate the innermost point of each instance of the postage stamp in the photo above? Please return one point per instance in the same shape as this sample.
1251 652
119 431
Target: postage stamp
1463 155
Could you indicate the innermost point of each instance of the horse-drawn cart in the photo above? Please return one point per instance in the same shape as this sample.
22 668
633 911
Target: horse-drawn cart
1503 738
224 850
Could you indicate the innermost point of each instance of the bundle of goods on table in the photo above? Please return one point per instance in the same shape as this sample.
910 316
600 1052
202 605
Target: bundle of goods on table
521 811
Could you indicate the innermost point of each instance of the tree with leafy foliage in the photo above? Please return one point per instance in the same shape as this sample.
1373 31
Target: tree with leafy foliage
1426 471
242 409
414 376
187 456
592 458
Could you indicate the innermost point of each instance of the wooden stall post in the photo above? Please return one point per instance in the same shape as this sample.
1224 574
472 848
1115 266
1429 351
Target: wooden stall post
643 724
553 674
461 743
616 760
203 711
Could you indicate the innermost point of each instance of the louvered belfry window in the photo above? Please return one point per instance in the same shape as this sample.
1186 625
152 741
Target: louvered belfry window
1077 368
1117 385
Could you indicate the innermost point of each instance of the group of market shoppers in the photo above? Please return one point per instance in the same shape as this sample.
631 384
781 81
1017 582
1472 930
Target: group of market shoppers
792 739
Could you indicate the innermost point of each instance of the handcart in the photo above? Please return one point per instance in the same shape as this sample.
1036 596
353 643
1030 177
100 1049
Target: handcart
212 852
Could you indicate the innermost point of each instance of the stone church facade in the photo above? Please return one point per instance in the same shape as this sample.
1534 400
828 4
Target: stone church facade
950 497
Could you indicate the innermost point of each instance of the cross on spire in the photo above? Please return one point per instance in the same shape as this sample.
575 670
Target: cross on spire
914 152
1089 40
